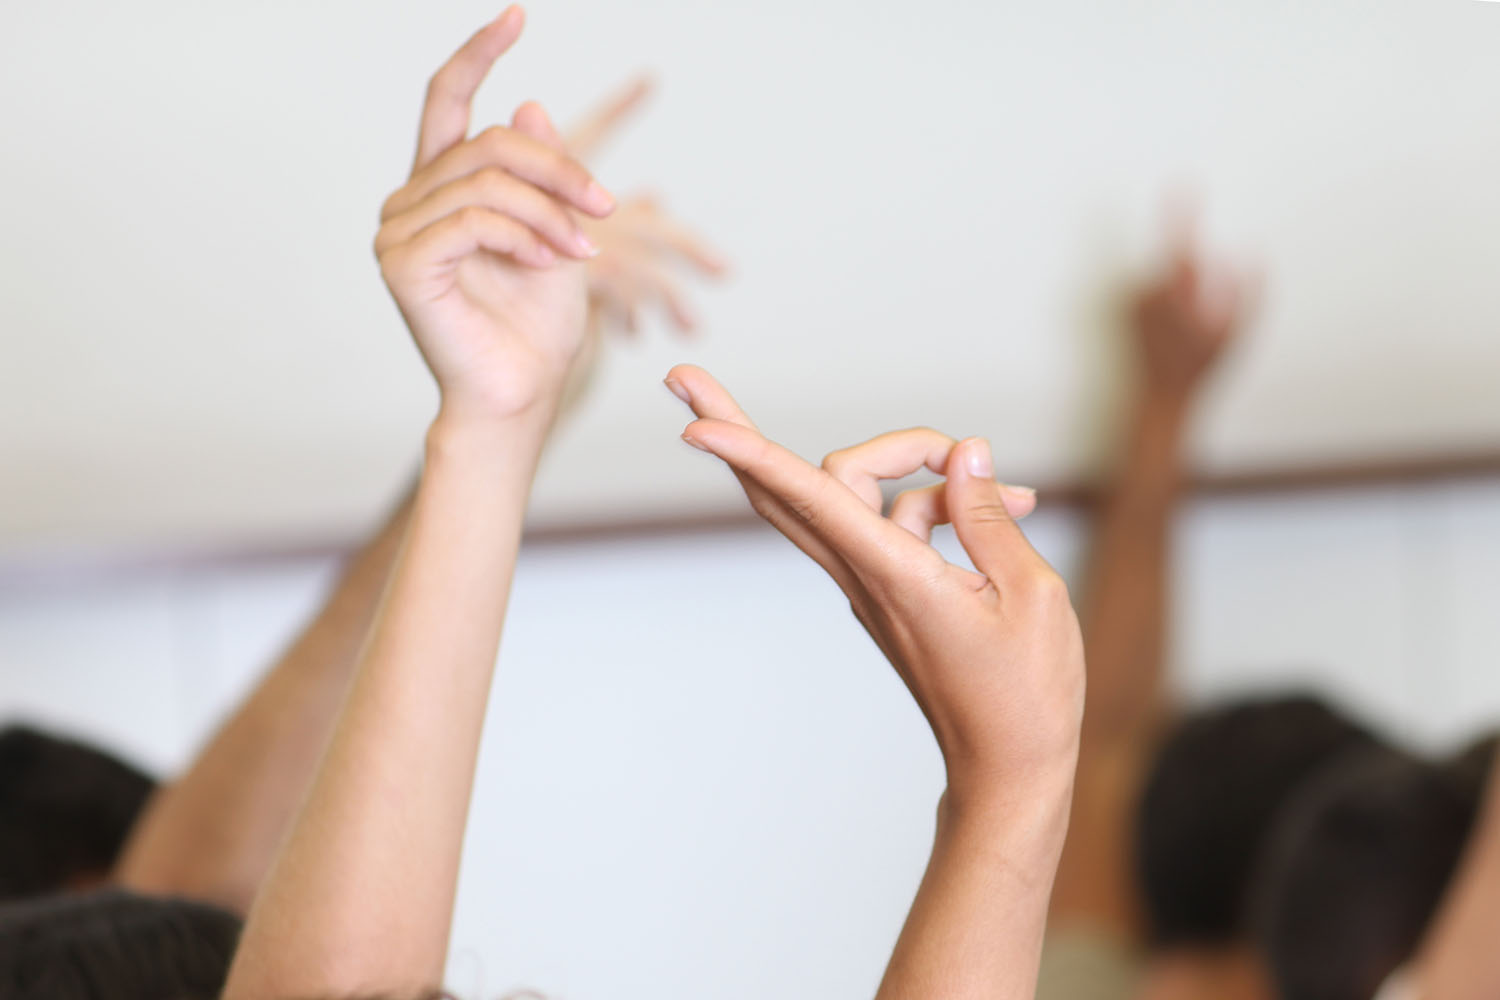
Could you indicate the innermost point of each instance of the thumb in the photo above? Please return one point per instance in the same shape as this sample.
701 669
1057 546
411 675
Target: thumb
984 512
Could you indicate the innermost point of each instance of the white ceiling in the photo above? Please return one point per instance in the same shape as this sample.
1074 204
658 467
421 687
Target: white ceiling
927 206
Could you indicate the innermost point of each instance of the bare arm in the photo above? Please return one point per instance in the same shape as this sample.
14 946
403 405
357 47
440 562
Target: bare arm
360 899
993 659
1181 327
212 833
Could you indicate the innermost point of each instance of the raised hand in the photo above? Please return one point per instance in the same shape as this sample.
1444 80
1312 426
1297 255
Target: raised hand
482 248
993 658
1188 315
643 249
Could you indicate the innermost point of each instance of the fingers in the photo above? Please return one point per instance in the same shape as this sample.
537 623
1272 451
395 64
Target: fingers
590 134
921 510
659 232
450 93
499 191
704 396
625 285
518 153
707 398
433 252
821 504
982 517
890 456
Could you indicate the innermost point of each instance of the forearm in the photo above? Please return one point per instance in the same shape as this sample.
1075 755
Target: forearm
213 833
1124 607
975 928
1460 961
362 894
1124 619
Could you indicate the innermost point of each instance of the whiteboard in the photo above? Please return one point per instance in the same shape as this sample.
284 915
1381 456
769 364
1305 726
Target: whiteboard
927 206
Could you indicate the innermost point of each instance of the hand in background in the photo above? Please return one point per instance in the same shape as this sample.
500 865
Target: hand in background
481 248
994 658
642 248
1186 318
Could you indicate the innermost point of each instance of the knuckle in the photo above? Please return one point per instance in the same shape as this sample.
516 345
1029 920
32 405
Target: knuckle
391 205
989 513
836 463
495 139
470 217
392 264
382 241
438 85
1048 588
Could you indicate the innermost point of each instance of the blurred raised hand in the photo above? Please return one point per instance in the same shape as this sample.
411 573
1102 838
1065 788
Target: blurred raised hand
645 253
1189 314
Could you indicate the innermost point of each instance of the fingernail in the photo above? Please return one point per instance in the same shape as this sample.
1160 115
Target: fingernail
679 391
694 442
585 245
598 197
1020 491
981 466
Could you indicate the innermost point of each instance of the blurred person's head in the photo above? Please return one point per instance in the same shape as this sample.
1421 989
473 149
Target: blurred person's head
1208 803
1358 867
65 811
1207 807
112 945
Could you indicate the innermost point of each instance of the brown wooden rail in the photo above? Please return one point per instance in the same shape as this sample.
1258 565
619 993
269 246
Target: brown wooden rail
20 575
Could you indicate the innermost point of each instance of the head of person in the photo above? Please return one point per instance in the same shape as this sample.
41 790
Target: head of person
1208 805
114 945
65 811
1358 867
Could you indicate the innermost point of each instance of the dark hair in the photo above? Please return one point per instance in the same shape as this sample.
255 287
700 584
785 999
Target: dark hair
114 945
1358 868
65 810
1208 804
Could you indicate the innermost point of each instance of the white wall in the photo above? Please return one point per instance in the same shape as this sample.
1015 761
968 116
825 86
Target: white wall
925 203
699 778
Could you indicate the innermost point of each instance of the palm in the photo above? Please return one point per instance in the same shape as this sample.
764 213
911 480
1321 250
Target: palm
505 327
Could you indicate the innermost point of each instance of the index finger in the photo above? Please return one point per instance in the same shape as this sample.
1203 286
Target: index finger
445 115
868 543
705 395
585 139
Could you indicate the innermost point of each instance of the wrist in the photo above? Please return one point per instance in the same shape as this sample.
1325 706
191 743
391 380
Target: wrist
485 438
1027 818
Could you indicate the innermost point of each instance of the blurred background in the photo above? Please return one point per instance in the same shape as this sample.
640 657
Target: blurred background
206 397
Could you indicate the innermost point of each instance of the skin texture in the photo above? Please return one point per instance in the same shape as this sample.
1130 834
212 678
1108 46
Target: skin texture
992 656
213 833
487 273
1459 960
1183 322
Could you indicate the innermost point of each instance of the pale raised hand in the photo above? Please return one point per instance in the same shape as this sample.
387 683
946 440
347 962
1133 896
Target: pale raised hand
482 248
